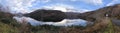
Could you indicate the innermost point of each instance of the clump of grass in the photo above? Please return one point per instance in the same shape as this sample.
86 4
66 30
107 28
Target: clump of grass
45 28
5 28
110 28
56 29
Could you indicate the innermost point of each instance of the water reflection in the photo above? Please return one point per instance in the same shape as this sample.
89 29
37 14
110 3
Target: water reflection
65 22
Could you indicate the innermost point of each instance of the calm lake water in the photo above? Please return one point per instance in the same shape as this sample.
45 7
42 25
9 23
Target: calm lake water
65 22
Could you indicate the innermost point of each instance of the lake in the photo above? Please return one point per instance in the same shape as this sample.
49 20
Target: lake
65 22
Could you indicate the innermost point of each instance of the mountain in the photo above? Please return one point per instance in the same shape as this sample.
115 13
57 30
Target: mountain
107 18
51 15
68 13
47 15
110 11
71 15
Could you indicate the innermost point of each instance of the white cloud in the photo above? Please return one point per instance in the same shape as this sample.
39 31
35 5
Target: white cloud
65 8
94 2
113 2
44 1
84 10
62 7
19 5
22 6
73 0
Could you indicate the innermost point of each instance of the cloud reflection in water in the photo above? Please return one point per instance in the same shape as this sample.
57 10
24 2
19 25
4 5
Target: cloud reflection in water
65 22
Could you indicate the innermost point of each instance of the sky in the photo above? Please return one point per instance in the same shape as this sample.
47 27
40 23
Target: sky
27 6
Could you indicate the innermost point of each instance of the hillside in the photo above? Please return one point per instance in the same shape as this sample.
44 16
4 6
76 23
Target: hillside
51 15
7 24
112 12
99 17
71 15
47 15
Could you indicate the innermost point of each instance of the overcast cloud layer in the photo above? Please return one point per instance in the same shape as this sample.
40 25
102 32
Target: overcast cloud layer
26 6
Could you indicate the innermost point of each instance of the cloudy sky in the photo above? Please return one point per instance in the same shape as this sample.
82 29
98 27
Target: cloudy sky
25 6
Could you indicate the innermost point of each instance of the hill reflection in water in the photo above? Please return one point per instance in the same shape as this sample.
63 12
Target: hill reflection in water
65 22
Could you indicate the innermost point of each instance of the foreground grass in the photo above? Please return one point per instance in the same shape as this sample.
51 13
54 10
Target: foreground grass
5 28
56 29
110 28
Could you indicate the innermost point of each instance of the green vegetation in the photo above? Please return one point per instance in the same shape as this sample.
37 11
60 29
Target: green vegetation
56 29
110 28
5 28
7 24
